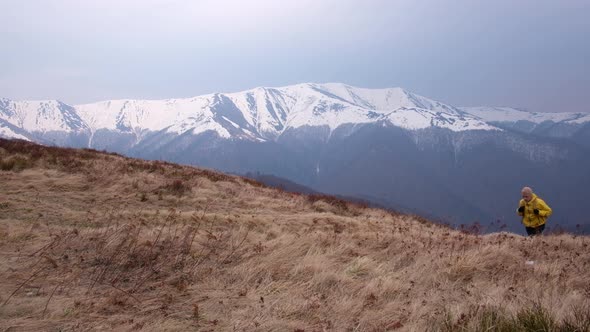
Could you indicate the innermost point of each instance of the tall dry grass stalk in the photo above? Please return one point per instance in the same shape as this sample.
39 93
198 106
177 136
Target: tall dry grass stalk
92 241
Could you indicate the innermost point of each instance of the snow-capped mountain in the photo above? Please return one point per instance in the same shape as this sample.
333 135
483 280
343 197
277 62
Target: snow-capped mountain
41 116
509 115
389 146
257 114
10 131
569 125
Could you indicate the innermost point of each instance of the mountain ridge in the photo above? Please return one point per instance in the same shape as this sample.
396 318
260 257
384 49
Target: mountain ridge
265 113
255 114
423 155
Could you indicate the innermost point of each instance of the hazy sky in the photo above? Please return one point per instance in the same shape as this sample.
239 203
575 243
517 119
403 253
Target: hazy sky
532 54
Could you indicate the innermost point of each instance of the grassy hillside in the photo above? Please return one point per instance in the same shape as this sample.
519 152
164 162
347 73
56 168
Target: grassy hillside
96 241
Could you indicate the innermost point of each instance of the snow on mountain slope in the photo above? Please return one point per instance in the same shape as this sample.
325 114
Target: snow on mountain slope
335 104
256 114
41 116
141 114
383 99
264 113
310 105
415 118
507 114
265 110
8 131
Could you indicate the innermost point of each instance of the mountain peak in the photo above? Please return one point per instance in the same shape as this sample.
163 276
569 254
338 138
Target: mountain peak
259 113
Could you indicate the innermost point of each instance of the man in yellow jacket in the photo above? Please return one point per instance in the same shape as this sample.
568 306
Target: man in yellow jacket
534 212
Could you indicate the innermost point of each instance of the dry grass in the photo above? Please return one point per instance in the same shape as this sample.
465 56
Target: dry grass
95 241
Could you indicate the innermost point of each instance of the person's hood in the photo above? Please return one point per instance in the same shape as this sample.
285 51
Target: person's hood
532 199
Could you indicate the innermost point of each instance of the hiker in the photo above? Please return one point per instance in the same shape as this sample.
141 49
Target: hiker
534 212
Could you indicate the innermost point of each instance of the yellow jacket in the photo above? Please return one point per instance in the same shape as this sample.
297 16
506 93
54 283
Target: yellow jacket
529 218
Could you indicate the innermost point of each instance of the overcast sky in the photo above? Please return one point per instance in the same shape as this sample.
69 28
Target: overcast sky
532 54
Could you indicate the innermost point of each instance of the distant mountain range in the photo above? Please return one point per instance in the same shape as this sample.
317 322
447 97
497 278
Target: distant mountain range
575 126
388 146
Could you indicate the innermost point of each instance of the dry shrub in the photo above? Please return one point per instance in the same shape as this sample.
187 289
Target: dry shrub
473 228
68 163
360 267
147 166
215 176
15 163
321 206
253 183
15 146
340 206
88 154
532 318
176 187
27 153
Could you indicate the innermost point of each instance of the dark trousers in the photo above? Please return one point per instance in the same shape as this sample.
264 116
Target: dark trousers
532 231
